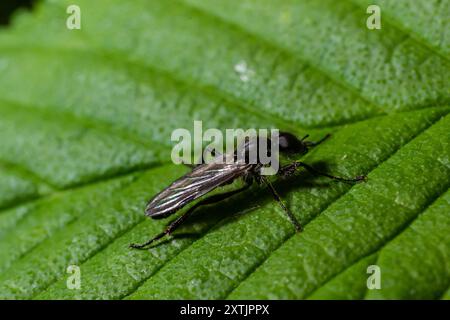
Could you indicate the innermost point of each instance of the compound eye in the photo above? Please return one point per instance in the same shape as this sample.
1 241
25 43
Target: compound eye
283 142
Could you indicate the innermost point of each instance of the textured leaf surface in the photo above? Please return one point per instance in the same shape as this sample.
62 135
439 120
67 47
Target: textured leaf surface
86 118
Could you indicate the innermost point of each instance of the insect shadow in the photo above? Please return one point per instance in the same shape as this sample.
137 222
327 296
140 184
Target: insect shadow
218 214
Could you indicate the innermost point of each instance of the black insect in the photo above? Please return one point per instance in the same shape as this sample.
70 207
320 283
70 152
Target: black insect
206 177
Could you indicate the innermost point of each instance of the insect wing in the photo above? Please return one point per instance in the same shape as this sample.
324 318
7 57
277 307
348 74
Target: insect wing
193 185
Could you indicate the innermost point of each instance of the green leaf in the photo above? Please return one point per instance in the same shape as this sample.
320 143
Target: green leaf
86 119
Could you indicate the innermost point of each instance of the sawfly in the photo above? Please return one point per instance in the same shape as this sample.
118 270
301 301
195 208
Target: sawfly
206 177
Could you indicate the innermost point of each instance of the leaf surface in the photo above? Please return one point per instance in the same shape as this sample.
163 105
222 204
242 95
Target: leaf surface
86 119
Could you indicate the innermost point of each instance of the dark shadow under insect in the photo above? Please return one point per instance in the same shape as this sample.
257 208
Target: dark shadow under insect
206 177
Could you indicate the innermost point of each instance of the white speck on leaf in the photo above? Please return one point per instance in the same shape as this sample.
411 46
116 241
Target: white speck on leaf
243 71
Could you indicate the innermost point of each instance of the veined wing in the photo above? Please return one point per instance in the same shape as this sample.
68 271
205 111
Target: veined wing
201 180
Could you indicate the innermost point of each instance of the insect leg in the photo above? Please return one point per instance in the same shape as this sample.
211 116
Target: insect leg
290 169
277 197
171 227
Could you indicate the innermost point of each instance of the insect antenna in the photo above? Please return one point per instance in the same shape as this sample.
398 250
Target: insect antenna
313 144
303 139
